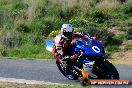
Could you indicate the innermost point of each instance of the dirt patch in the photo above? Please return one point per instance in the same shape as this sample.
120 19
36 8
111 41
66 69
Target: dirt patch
125 43
125 55
13 85
23 85
122 57
116 31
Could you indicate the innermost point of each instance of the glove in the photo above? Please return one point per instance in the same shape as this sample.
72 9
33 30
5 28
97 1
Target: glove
64 37
73 41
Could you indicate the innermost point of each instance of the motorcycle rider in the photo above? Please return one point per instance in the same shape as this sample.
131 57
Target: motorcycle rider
63 44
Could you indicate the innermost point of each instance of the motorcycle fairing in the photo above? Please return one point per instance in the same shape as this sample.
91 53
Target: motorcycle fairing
49 45
94 48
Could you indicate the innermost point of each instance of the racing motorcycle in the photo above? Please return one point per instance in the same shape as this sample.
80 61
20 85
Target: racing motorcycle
91 63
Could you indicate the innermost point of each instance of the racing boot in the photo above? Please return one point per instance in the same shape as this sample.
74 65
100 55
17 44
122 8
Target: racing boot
71 70
71 63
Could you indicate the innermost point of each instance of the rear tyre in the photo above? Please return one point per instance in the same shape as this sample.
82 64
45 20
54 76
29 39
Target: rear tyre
68 75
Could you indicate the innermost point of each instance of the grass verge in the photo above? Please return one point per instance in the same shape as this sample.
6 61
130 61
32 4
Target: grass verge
21 85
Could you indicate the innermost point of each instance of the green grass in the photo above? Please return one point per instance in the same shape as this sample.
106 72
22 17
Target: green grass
30 51
128 47
23 23
112 48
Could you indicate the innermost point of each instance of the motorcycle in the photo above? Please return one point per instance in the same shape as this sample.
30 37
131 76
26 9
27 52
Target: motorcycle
91 63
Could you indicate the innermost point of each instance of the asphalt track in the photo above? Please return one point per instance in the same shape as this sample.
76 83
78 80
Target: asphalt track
47 71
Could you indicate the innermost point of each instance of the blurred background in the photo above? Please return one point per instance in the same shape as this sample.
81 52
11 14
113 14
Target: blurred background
25 24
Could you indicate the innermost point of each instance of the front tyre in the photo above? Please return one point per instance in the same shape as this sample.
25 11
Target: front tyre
85 82
109 71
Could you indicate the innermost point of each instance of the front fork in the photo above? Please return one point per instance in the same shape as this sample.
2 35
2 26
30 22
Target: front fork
84 73
85 77
87 68
84 70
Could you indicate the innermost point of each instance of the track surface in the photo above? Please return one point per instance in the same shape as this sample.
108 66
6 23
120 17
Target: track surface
46 70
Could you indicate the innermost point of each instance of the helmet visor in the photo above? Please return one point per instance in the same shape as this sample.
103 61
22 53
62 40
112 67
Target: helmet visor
68 34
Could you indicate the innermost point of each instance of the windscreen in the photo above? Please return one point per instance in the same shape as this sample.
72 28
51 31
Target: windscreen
84 41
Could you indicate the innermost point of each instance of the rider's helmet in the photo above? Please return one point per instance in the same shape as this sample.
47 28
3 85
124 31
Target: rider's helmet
67 30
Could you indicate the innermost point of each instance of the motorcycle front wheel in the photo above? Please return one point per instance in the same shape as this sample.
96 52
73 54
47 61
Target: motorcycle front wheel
106 70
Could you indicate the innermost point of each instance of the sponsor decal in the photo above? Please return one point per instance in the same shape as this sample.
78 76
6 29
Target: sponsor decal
110 82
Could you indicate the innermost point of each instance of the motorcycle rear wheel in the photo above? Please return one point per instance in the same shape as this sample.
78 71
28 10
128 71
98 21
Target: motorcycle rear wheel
68 75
